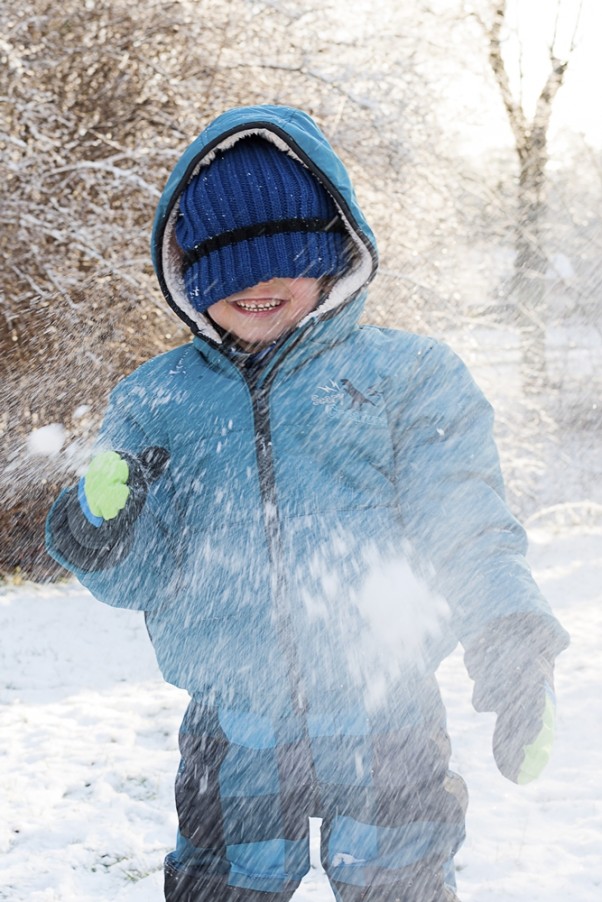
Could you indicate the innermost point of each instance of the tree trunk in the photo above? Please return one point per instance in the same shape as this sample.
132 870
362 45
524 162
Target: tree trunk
530 267
530 142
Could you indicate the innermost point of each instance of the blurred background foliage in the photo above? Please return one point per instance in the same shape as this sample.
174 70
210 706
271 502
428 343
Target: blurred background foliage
99 98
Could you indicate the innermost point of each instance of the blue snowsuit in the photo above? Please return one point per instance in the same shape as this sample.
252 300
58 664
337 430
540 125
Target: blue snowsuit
330 523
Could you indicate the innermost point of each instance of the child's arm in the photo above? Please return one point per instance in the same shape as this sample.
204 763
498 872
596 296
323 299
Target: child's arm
472 550
112 530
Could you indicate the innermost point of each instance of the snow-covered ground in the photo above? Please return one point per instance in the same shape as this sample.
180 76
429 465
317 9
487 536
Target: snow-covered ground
89 752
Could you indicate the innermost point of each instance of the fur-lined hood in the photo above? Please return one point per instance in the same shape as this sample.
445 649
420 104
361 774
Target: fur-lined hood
294 132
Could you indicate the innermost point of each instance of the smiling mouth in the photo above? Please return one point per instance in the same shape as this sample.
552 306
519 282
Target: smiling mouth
259 306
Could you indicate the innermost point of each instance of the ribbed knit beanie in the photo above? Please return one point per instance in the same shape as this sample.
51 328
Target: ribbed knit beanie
253 214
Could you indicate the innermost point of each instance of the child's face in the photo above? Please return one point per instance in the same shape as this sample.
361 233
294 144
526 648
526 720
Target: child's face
259 315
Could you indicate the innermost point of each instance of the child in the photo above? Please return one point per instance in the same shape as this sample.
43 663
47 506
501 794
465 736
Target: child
275 496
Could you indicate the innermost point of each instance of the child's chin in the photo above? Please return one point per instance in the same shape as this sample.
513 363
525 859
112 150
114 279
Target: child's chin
260 338
253 342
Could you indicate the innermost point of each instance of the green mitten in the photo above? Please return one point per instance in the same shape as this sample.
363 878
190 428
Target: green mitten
91 526
105 485
537 754
524 730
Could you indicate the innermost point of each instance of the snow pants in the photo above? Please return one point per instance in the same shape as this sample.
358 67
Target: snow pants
392 812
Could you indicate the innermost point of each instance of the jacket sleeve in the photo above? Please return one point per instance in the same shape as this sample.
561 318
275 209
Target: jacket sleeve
468 545
126 565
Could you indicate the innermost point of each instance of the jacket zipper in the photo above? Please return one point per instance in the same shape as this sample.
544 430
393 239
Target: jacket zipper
260 396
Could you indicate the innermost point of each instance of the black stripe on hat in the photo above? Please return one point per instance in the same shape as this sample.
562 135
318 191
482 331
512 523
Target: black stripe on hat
258 230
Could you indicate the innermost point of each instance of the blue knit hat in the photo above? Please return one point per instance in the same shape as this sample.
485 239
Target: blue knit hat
254 214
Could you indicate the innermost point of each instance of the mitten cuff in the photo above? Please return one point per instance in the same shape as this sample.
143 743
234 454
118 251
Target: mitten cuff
80 543
517 638
509 652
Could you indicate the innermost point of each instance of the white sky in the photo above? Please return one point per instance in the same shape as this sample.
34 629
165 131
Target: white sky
577 103
577 107
455 55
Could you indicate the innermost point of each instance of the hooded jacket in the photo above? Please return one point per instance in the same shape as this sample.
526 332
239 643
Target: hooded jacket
329 524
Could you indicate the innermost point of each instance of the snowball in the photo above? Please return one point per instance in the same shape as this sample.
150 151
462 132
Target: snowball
562 267
46 441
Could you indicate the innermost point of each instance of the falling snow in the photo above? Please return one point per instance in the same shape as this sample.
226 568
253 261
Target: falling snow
87 779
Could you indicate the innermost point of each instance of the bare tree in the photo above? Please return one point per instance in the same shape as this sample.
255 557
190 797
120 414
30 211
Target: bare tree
531 145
